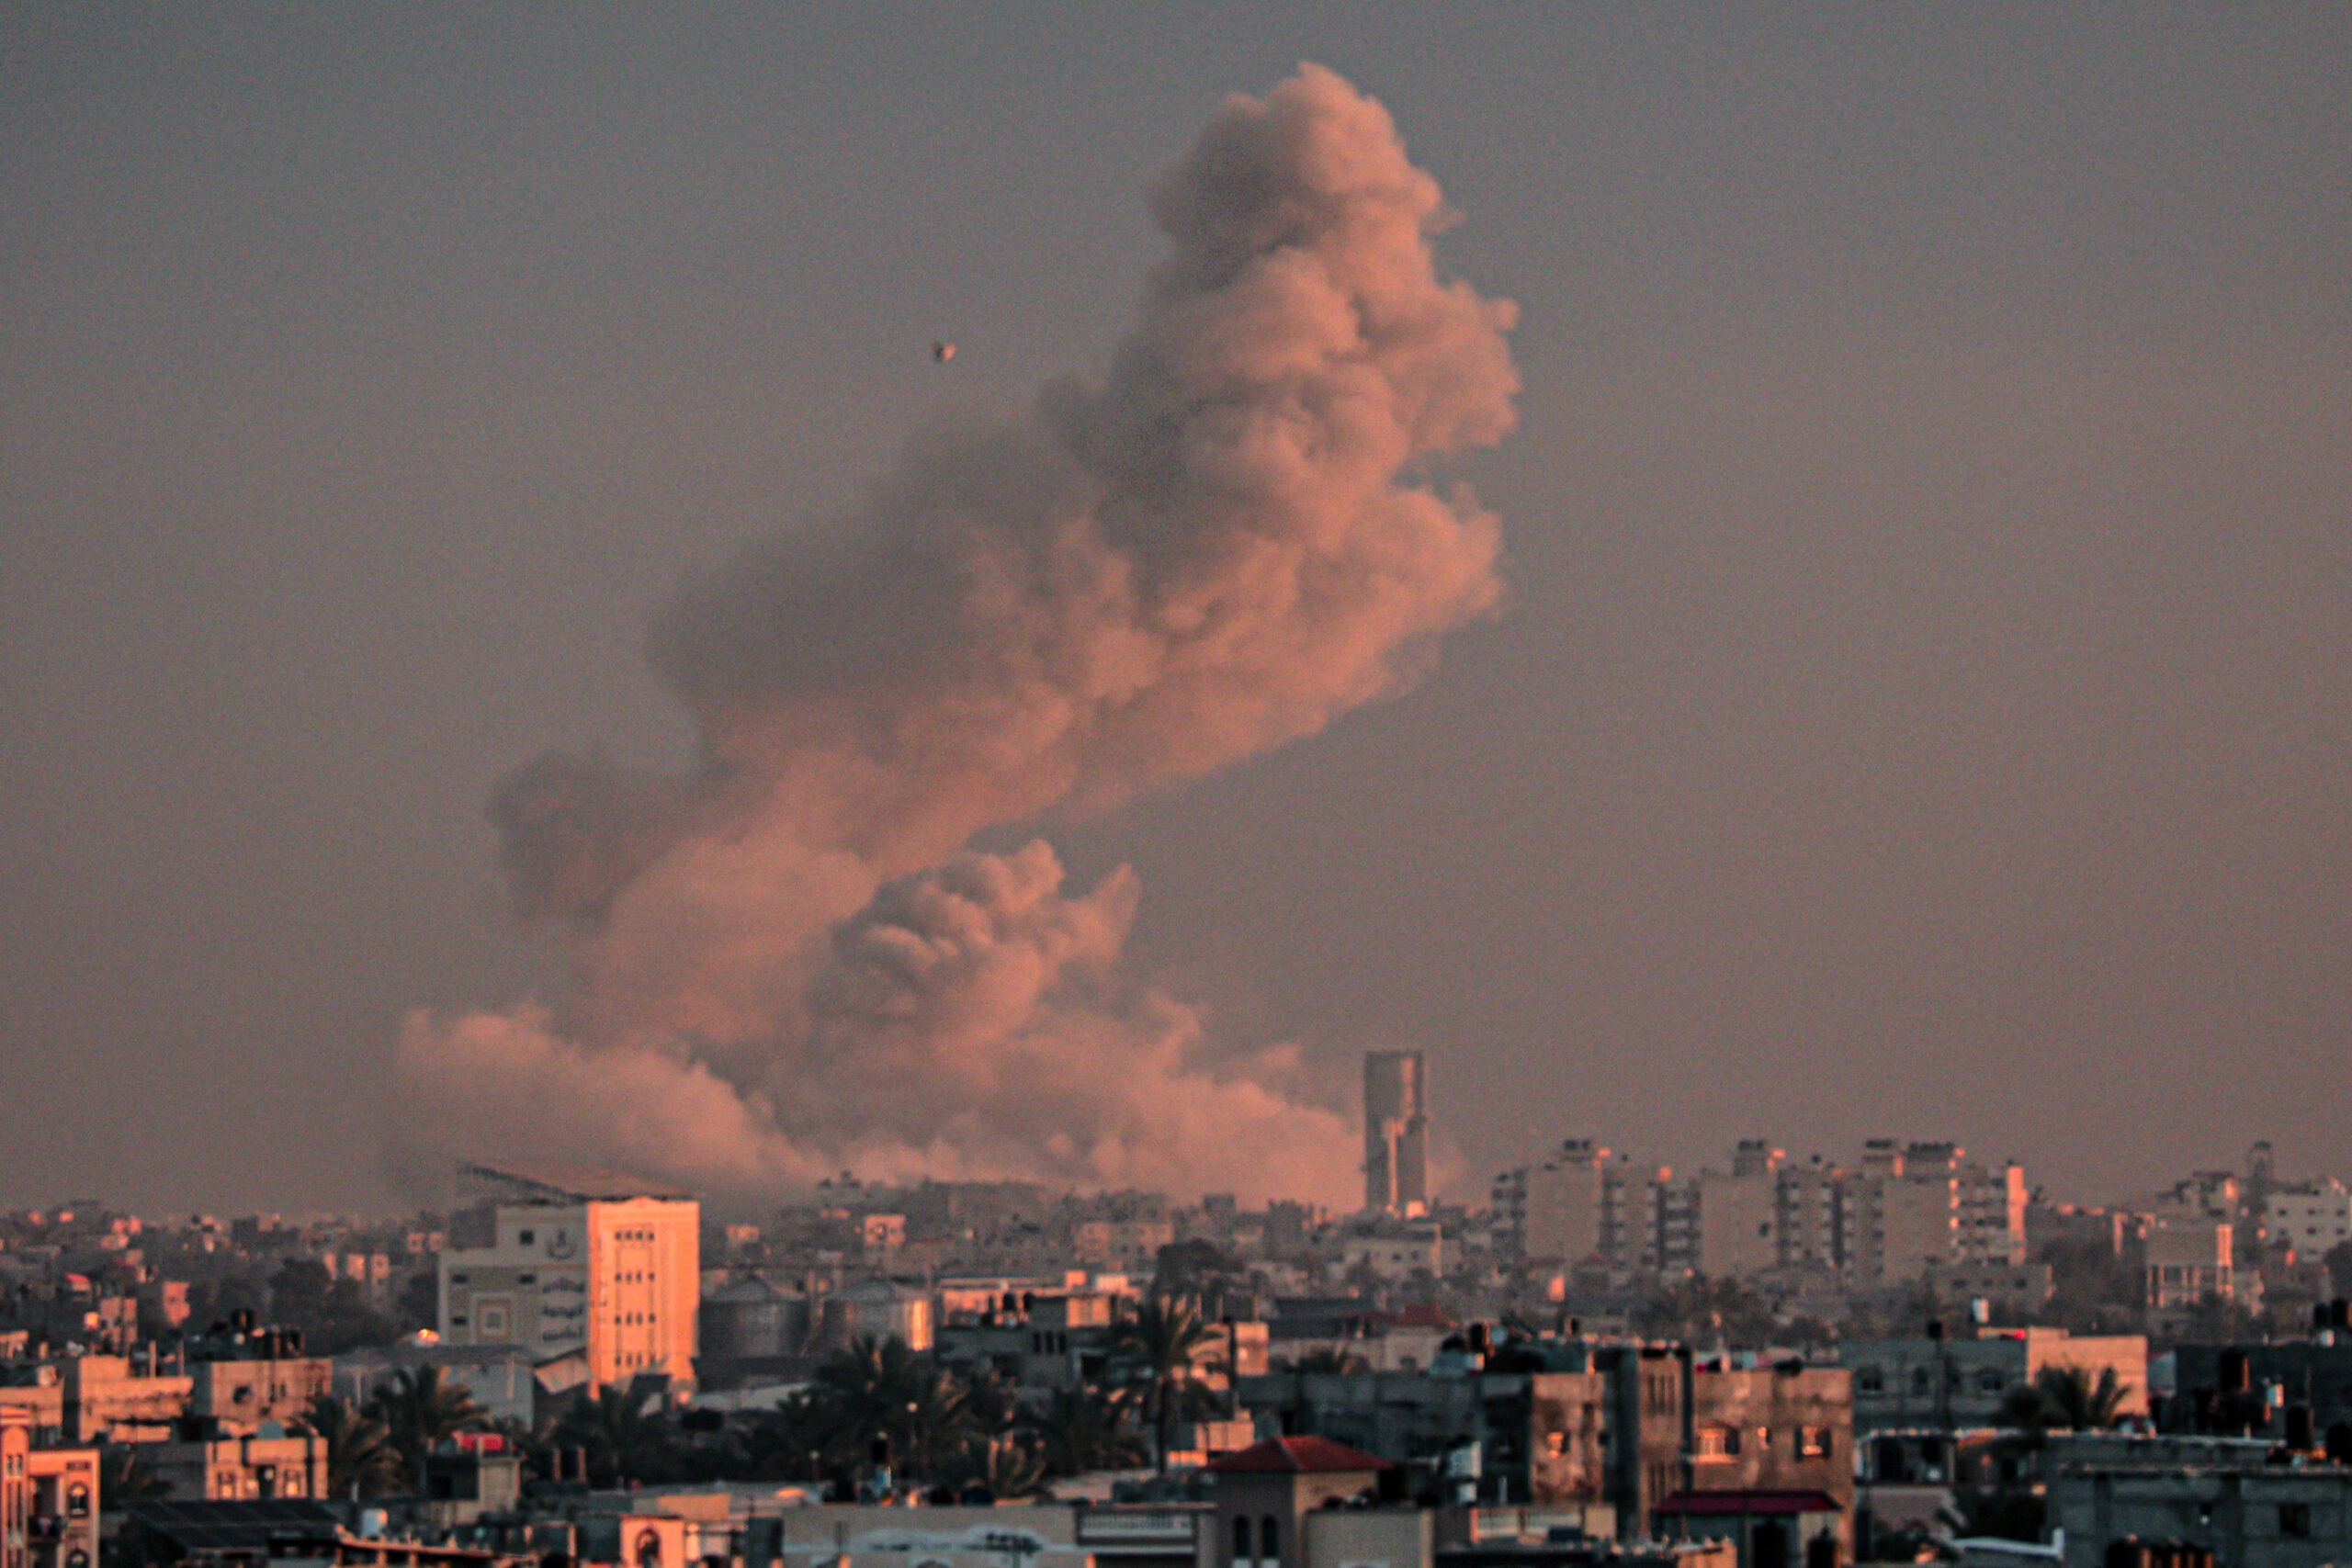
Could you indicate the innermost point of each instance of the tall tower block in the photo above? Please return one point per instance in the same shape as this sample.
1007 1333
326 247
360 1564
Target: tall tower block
1396 1132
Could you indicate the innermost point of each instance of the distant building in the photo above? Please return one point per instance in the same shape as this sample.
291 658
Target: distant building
1736 1213
2315 1216
1396 1132
2189 1259
580 1260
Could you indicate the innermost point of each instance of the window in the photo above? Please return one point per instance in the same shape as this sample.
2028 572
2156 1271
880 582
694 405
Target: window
1869 1380
1922 1380
1242 1538
1718 1442
1813 1442
1269 1539
526 1237
77 1500
2295 1520
1990 1381
1555 1444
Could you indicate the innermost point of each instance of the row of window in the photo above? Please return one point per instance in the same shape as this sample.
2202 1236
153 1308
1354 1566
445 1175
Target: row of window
1871 1379
1724 1442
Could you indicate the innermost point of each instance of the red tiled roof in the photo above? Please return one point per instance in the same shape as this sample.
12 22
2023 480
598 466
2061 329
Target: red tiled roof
1296 1456
1704 1505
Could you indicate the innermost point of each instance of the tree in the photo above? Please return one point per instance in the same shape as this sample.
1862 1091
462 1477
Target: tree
1009 1468
1156 1347
1325 1358
2065 1398
1080 1429
420 1410
625 1436
419 1303
878 1388
361 1461
333 1314
1701 1310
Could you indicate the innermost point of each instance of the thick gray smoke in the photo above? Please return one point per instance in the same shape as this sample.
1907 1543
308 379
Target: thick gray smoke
793 962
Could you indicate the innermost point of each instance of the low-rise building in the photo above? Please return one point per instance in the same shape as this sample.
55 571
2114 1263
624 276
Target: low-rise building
1944 1384
2189 1258
2259 1516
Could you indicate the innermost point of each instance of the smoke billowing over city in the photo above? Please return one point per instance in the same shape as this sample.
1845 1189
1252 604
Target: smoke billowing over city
795 959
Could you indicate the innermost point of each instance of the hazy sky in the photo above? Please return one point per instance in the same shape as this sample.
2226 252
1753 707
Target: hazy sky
1920 705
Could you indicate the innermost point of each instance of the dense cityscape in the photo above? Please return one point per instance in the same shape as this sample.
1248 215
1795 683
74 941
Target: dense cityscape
1175 786
1888 1356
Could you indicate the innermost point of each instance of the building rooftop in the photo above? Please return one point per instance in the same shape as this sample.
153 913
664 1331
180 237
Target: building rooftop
1296 1456
551 1181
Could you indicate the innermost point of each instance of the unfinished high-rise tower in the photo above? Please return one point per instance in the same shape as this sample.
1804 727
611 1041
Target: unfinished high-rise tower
1396 1132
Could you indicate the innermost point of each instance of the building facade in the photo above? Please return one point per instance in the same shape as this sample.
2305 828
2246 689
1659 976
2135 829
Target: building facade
581 1261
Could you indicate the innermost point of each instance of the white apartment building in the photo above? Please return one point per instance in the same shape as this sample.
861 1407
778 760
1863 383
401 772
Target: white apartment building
2316 1216
586 1261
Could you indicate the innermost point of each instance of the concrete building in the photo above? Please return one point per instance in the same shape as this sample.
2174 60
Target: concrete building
1807 1218
48 1499
2314 1216
1952 1384
2247 1515
2189 1258
63 1529
1993 1202
580 1260
1396 1132
1572 1208
1899 1213
1606 1430
1739 1214
226 1467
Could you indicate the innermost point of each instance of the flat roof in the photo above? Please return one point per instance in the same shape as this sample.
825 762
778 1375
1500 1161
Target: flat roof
579 1183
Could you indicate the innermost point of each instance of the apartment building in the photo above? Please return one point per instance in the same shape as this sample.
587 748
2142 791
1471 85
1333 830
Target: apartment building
580 1260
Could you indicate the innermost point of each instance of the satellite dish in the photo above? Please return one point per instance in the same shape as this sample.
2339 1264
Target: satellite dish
942 351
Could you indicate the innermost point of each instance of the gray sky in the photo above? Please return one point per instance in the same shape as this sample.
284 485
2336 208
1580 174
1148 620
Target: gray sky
1920 705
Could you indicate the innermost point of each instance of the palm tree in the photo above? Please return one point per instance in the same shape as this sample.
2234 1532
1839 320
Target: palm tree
361 1461
2067 1398
1156 1347
625 1436
420 1410
1082 1430
878 1388
1008 1467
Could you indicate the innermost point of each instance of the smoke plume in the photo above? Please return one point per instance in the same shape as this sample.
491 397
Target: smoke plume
792 960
